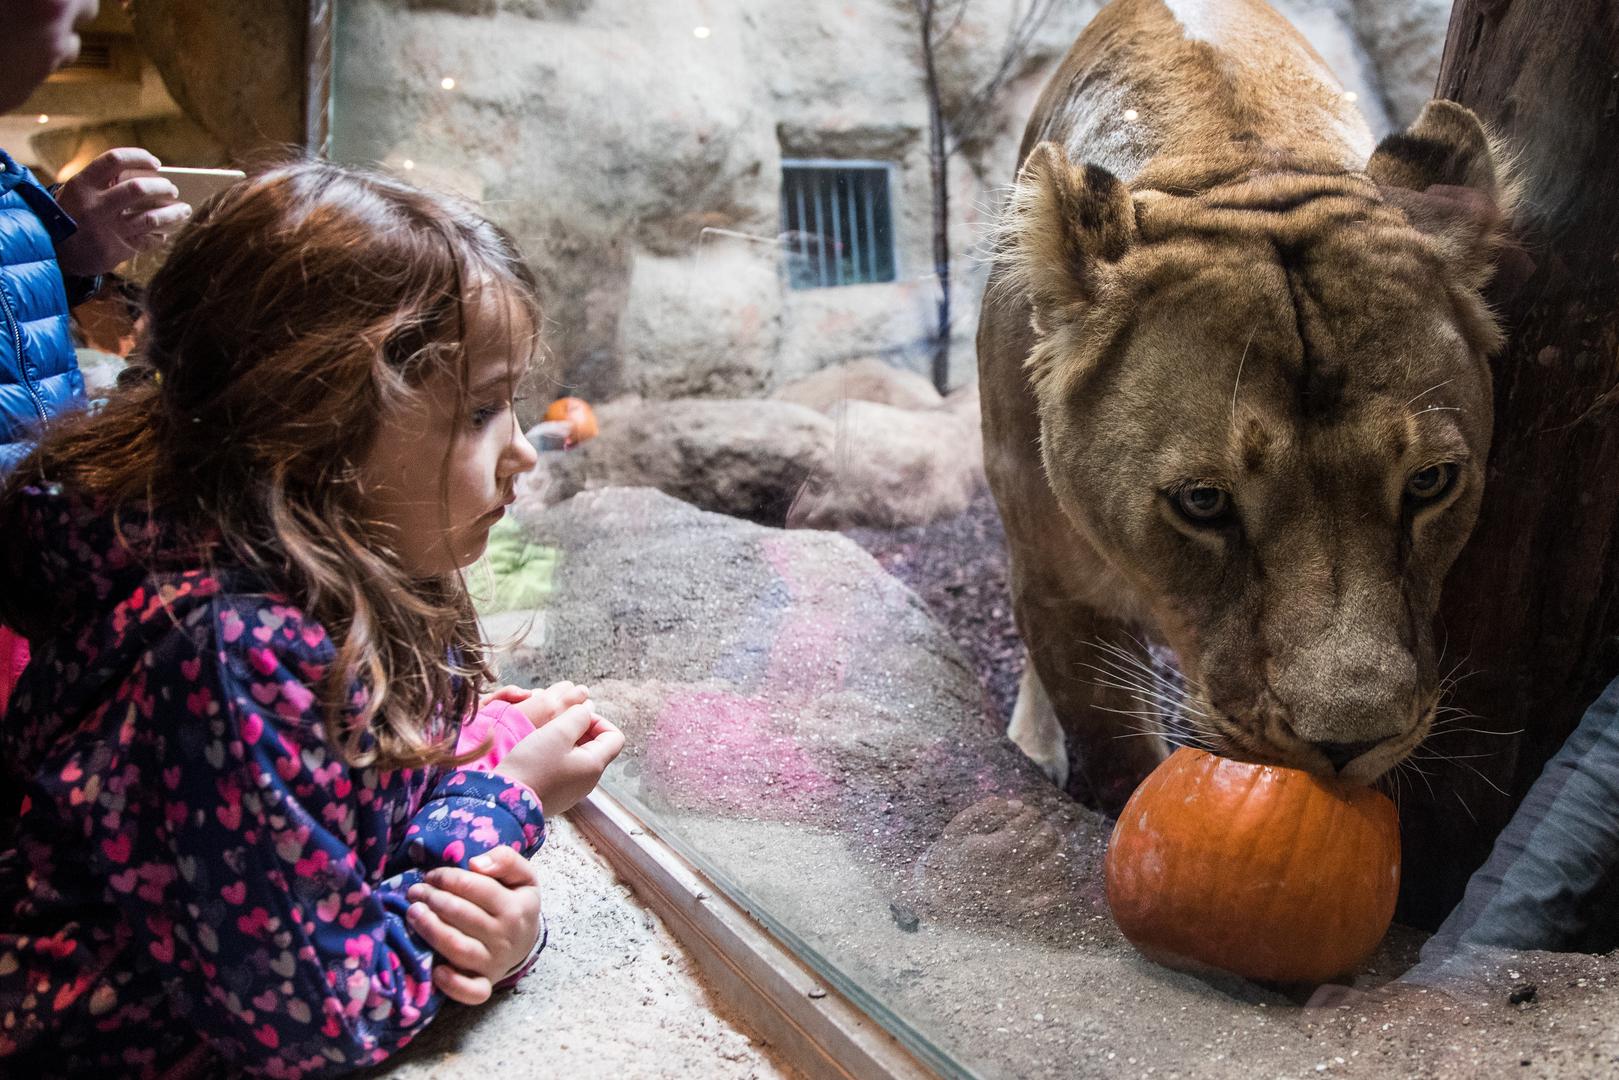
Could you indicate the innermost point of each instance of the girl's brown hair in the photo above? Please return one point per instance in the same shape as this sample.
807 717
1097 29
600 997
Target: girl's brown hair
295 312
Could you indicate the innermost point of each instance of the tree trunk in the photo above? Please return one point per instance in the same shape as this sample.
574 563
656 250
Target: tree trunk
939 173
1531 609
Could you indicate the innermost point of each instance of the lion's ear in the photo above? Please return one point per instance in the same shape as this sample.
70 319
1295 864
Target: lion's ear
1447 145
1063 222
1448 177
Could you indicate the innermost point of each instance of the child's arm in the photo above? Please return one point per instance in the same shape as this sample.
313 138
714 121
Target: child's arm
505 718
291 959
460 912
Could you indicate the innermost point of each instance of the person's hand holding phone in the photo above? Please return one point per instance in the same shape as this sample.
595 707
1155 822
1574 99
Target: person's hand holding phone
122 207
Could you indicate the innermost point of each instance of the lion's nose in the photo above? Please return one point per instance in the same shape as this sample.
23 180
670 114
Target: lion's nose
1342 753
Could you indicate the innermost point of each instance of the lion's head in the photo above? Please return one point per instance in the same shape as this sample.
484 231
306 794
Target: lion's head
1268 405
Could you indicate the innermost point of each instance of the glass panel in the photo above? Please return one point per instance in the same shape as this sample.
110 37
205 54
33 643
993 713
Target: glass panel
779 565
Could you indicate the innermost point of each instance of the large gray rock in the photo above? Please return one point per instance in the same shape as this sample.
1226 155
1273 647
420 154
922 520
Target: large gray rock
892 467
770 673
867 379
702 327
778 462
748 459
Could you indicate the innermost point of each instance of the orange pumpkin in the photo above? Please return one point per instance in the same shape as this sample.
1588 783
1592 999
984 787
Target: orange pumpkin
1274 874
576 411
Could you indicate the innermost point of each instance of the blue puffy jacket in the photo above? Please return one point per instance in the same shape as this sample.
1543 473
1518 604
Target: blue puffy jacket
39 372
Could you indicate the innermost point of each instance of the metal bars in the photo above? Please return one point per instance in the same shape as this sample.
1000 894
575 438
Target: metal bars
836 223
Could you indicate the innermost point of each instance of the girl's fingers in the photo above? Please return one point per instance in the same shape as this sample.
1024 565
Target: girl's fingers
572 723
457 911
554 700
568 694
458 948
598 724
604 742
499 897
479 889
459 986
507 866
567 687
512 695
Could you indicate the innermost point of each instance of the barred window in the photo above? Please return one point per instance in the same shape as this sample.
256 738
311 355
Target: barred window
836 223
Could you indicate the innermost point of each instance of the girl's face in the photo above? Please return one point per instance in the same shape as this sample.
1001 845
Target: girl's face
436 479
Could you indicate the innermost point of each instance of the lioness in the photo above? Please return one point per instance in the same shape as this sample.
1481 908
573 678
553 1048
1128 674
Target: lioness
1236 398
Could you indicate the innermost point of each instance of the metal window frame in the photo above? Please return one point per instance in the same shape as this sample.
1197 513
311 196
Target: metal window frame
818 1031
890 177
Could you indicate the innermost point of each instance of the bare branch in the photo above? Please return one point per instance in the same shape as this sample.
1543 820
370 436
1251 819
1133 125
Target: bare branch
1025 27
961 12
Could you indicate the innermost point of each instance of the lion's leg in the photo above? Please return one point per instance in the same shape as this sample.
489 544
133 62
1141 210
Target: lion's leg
1035 730
1095 677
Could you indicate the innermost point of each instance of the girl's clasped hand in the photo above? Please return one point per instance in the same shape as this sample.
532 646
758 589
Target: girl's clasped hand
570 747
483 921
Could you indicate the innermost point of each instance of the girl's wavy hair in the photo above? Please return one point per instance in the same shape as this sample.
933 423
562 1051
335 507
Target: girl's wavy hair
294 313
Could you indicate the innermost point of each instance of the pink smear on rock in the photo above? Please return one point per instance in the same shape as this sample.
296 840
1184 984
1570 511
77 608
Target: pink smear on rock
717 750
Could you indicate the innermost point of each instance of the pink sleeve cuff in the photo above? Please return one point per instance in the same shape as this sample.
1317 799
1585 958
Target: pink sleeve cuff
503 724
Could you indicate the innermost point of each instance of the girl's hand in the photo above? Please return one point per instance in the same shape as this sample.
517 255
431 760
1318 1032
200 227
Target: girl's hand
118 216
507 693
563 760
543 706
539 707
482 922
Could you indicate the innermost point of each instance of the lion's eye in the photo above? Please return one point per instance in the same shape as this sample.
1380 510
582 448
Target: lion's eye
1204 505
1430 484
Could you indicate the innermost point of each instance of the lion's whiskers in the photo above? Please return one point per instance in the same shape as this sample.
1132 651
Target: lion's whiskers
1168 710
1167 692
1460 759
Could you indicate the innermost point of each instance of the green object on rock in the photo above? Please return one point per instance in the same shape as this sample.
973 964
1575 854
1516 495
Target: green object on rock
515 573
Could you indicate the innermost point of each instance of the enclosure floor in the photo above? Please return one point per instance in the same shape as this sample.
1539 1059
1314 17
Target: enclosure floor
614 996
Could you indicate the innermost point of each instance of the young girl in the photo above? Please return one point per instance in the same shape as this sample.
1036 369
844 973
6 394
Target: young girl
235 823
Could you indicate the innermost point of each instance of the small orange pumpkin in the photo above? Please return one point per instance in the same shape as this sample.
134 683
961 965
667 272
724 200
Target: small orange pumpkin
1275 874
576 411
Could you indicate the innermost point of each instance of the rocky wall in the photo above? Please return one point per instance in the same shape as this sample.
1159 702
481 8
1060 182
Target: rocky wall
636 151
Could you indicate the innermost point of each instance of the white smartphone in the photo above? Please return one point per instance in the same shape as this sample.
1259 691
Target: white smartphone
197 186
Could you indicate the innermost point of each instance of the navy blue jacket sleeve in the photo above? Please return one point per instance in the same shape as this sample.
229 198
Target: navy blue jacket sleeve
286 913
1552 880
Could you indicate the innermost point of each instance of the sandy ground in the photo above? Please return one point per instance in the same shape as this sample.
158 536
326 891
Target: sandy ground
612 997
1073 999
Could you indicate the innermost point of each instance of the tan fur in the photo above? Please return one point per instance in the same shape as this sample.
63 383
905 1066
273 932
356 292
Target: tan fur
1231 289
